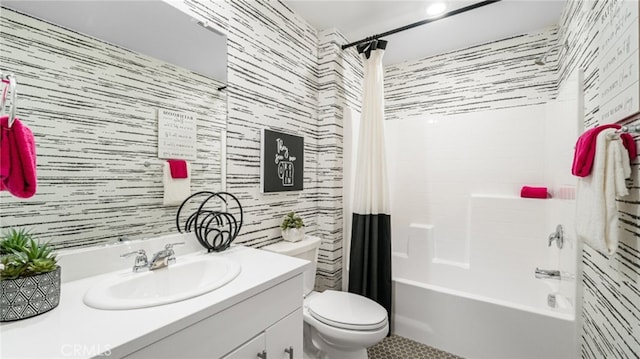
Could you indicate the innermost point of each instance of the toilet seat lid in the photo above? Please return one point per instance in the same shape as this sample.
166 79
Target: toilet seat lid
347 311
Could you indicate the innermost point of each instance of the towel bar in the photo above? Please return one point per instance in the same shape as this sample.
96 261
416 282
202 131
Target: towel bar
631 128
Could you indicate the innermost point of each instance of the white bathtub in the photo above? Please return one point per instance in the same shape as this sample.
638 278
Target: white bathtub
490 305
478 327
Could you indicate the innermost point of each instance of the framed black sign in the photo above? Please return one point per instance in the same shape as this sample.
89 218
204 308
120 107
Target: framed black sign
282 162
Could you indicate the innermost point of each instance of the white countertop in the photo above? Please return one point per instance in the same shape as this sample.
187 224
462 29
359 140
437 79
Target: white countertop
74 330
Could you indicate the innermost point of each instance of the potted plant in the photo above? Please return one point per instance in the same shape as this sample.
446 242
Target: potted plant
29 276
292 227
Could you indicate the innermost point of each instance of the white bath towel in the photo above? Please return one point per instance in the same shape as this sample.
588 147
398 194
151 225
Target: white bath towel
176 190
596 208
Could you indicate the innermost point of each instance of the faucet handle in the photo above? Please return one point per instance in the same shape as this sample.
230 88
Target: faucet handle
557 236
170 245
141 259
139 252
171 254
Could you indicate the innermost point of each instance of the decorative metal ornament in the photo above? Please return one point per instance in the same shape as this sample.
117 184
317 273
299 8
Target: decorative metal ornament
216 222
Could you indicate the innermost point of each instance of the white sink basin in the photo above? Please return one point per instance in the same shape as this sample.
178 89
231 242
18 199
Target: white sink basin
189 277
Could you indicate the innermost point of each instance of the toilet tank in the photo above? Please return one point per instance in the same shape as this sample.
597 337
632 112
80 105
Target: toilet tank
306 249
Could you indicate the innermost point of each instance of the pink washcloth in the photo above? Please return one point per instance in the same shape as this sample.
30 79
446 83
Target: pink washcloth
534 192
586 148
17 159
178 168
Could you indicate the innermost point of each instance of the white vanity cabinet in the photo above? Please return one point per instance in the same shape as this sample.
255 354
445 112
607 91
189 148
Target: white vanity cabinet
262 306
270 321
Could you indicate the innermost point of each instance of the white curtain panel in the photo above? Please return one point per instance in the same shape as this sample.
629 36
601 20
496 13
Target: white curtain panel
372 193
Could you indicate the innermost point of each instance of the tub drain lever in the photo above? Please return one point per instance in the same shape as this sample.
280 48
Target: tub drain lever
547 273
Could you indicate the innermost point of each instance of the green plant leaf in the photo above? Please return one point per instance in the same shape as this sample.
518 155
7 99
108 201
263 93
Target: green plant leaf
292 220
24 256
14 239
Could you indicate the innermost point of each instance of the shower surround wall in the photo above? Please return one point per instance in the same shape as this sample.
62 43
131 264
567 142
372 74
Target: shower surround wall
493 76
611 285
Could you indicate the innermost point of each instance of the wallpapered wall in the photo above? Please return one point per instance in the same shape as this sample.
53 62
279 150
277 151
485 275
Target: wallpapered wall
92 107
273 81
340 86
495 75
611 285
283 75
95 191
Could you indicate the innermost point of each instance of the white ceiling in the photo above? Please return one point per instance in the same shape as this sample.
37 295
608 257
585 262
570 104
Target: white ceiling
357 19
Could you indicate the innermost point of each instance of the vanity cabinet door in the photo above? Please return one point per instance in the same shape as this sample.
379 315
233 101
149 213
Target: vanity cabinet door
249 350
285 334
224 332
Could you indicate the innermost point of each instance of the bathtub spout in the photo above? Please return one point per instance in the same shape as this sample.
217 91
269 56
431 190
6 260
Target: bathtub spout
547 273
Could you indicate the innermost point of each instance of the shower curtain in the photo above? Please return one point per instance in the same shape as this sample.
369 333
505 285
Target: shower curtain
370 254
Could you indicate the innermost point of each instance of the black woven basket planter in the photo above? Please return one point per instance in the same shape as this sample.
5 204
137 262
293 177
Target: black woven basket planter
29 296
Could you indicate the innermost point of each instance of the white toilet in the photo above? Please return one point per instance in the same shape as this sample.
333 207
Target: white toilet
337 325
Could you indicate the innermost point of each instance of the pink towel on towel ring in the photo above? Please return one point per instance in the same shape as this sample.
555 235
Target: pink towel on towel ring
586 149
178 168
17 159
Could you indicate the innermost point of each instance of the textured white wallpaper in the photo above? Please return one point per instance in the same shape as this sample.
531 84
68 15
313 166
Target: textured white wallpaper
93 109
610 285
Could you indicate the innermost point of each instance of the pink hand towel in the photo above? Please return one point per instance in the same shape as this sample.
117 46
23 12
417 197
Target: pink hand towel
534 192
178 168
586 148
17 159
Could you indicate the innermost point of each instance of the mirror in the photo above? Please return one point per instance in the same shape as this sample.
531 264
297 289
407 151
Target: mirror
92 77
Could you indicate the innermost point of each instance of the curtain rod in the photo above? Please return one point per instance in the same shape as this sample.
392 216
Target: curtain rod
416 24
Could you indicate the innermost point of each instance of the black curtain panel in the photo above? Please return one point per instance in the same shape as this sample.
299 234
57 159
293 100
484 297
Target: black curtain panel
370 258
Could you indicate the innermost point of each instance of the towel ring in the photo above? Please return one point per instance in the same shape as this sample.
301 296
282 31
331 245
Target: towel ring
10 78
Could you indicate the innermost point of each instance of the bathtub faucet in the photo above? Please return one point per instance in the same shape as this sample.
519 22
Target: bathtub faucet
547 273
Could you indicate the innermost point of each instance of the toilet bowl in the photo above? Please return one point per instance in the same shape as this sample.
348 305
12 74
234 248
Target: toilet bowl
343 325
337 325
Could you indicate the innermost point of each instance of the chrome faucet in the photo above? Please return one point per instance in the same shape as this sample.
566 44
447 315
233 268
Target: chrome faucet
164 257
547 273
159 260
